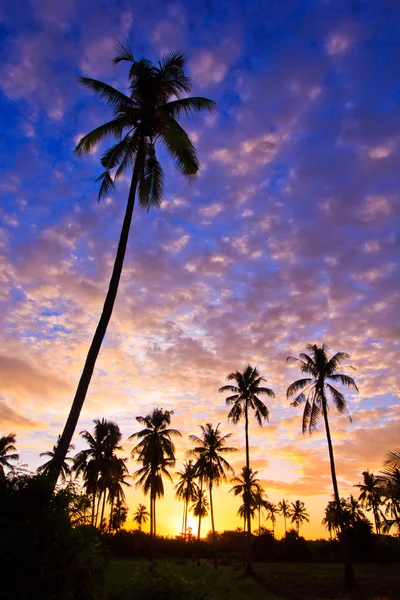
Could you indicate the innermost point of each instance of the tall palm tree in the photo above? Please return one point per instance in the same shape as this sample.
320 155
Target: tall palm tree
370 496
284 508
145 116
247 486
272 511
298 514
245 397
389 480
156 452
8 453
115 480
93 462
211 464
261 500
47 467
200 509
186 490
141 516
314 391
354 510
330 520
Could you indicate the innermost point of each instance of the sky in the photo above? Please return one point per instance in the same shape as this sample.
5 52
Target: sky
289 236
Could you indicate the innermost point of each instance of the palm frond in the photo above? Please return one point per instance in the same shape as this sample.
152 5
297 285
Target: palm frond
113 128
296 386
150 193
339 400
107 185
122 53
187 106
180 147
344 380
106 92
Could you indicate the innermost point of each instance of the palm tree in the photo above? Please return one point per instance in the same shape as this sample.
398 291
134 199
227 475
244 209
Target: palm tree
95 462
8 453
370 496
118 515
186 490
273 510
330 520
146 116
200 509
298 514
141 516
156 452
211 464
245 396
116 479
247 486
313 393
284 508
261 500
389 482
354 511
46 468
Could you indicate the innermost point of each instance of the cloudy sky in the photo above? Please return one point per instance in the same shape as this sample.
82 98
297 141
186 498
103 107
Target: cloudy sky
290 234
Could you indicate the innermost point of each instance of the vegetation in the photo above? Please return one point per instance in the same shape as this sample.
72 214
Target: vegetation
314 391
145 118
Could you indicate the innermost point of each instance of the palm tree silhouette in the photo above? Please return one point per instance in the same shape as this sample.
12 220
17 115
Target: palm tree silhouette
186 490
46 469
370 496
247 486
298 514
245 396
284 508
261 500
116 479
141 516
211 464
389 480
95 462
156 452
313 394
272 511
147 116
200 509
8 453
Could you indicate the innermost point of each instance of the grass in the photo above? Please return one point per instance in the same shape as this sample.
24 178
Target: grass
274 581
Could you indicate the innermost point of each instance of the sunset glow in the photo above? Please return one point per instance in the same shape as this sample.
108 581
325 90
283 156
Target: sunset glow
289 236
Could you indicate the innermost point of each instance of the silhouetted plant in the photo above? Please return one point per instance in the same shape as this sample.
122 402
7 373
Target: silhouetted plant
370 496
284 510
323 371
186 490
146 117
46 470
8 453
298 514
141 516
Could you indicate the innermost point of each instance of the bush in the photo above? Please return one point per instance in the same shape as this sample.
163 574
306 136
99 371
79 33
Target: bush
298 551
49 558
387 549
163 582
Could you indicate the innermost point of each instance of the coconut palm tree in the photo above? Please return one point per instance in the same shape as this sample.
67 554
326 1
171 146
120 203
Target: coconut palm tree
200 509
298 514
156 452
144 117
118 515
330 520
247 486
392 461
245 397
141 516
370 496
94 462
211 464
389 481
46 468
313 392
261 500
116 479
8 453
186 490
272 511
284 508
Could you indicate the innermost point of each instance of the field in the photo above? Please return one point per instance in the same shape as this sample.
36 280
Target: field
274 581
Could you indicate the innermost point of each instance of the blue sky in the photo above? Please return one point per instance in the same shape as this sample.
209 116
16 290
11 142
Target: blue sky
290 234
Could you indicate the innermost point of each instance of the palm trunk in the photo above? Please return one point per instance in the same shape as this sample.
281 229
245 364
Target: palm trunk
249 567
111 509
199 527
93 506
102 510
376 518
212 524
284 521
83 385
349 572
259 520
98 509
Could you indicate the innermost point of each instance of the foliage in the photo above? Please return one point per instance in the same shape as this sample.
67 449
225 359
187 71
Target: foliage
162 582
48 556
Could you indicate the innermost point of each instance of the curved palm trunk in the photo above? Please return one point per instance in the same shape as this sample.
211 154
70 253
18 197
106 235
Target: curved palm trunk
83 385
349 572
212 525
199 527
111 509
102 510
249 566
93 506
